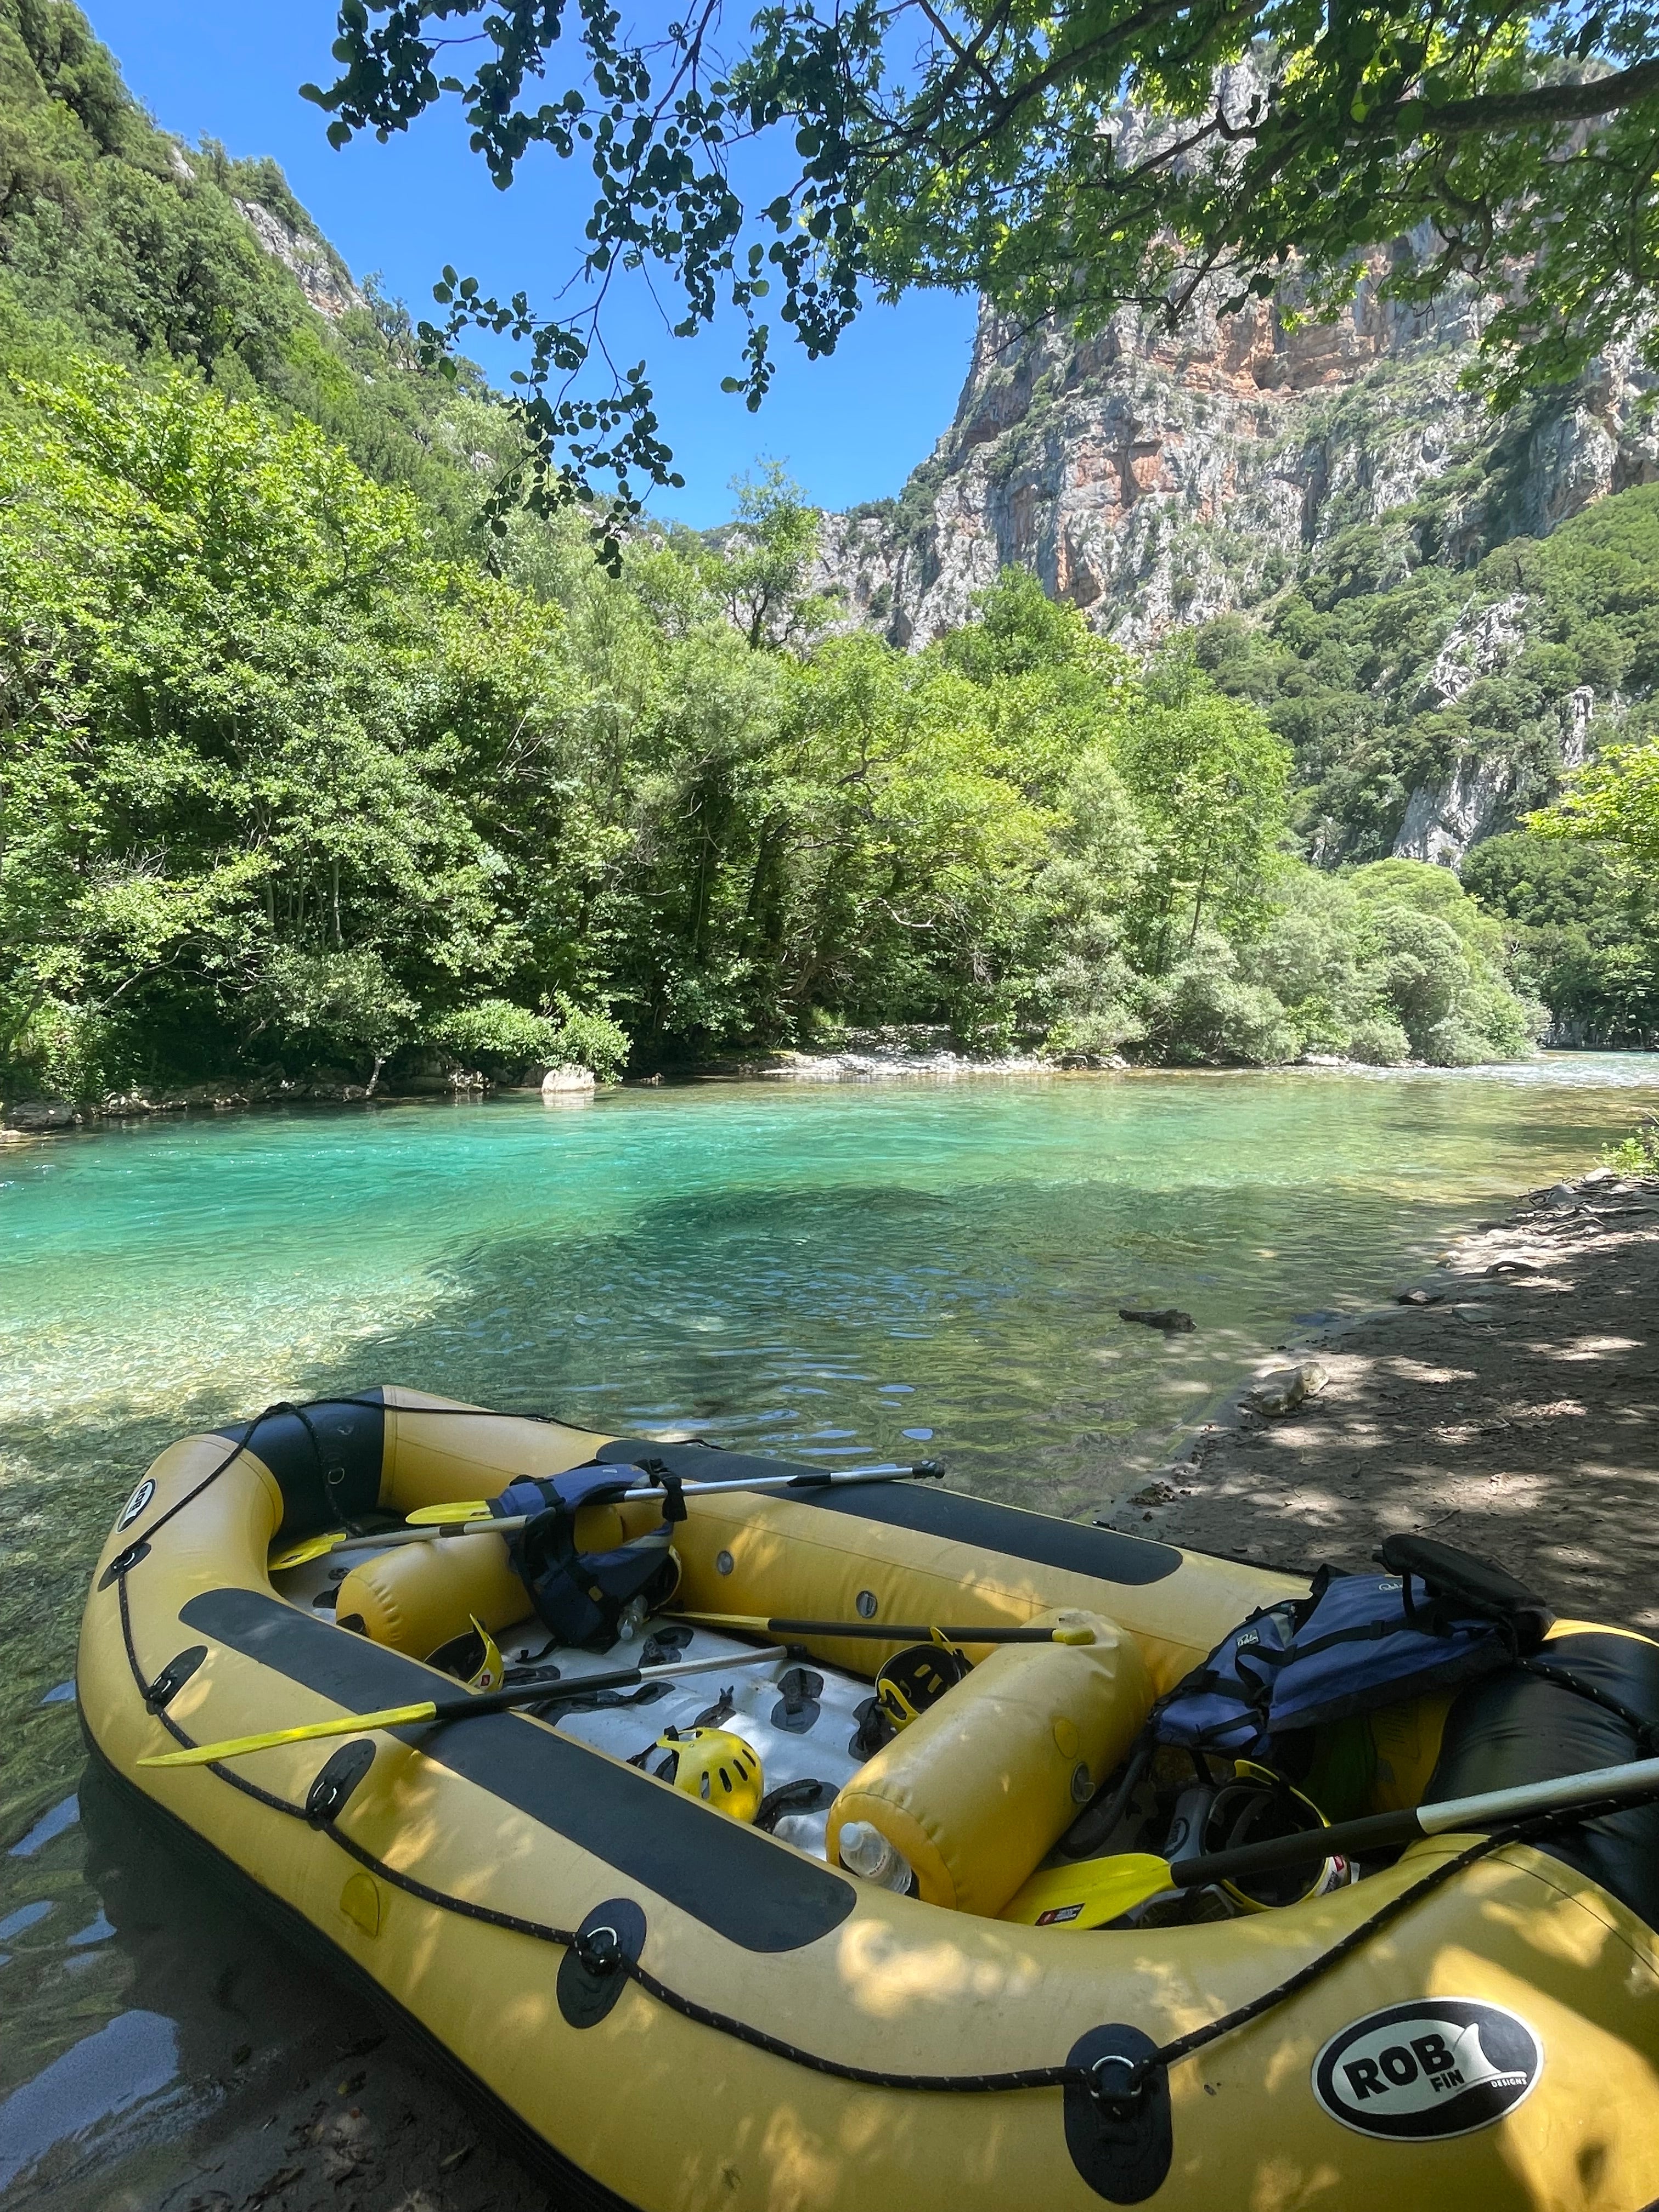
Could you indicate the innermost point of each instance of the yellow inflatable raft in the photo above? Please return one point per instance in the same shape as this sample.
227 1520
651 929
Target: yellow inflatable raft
807 1995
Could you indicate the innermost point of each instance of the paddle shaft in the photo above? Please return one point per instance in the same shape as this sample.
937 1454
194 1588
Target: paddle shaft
1495 1808
438 1532
621 1678
465 1707
877 1631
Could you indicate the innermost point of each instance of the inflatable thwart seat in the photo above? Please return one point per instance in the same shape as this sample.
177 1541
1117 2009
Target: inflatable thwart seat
814 1999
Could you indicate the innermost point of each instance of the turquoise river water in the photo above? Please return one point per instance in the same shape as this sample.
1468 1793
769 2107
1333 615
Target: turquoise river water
838 1272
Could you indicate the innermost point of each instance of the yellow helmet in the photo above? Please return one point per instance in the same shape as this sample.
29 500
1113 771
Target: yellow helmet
719 1768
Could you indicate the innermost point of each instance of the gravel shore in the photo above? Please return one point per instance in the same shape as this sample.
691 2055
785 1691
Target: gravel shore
1515 1414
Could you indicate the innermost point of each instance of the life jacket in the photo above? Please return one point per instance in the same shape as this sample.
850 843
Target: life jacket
582 1597
1355 1643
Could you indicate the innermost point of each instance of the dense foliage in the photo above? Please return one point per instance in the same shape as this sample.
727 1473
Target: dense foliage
1386 673
1071 159
111 237
1582 932
304 771
281 786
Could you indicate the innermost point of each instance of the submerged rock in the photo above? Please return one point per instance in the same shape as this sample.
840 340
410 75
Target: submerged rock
1169 1319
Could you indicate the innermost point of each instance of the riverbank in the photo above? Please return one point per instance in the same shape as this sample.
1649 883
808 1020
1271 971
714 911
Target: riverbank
897 1051
1515 1412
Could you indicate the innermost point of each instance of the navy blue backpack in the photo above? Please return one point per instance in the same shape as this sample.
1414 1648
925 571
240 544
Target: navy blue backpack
1355 1643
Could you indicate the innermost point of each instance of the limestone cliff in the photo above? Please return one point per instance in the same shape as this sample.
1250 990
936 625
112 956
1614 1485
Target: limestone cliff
318 269
1155 480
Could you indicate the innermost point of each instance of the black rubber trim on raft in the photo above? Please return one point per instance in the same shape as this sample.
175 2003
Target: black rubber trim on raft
326 1457
1076 1547
738 1882
1582 1701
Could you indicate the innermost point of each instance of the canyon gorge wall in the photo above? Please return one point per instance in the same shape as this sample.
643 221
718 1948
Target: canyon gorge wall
1156 480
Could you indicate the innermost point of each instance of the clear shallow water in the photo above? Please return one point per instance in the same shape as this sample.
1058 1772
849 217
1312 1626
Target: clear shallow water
837 1271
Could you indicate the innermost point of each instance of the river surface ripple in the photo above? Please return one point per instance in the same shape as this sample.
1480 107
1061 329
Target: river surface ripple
836 1272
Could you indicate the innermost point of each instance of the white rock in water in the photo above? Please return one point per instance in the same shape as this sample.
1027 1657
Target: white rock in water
568 1077
1286 1389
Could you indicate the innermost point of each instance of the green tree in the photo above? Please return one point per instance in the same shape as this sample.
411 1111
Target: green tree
1209 782
1615 802
1078 161
1581 931
256 743
763 559
1435 961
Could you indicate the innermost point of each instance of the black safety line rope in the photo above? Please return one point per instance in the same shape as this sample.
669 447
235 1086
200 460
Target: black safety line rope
208 1481
1646 1733
1117 2096
186 1742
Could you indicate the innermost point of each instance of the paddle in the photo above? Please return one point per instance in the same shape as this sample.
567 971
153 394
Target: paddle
756 1624
465 1707
1094 1891
472 1516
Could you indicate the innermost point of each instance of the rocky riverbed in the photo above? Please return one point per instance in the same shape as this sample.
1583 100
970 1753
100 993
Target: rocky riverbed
1509 1404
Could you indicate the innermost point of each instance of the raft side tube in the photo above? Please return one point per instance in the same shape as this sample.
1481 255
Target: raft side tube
664 2111
734 1880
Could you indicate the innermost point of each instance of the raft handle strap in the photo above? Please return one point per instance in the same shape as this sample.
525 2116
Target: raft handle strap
599 1950
1121 2103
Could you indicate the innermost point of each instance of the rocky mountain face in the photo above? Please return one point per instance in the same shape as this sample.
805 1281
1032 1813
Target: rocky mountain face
318 269
1155 481
1158 481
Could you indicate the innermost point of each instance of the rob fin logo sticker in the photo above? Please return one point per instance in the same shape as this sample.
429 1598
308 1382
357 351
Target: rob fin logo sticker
136 1504
1420 2072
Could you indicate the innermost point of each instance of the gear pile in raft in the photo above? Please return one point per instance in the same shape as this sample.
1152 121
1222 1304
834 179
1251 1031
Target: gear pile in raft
741 1836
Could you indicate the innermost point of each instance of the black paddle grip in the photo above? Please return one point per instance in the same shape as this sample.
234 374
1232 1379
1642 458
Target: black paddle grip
1383 1832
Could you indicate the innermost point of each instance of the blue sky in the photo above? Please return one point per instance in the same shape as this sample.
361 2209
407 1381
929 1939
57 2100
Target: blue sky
849 429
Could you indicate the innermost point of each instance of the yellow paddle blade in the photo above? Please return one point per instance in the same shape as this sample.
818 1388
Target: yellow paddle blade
440 1516
1089 1894
234 1746
300 1554
491 1671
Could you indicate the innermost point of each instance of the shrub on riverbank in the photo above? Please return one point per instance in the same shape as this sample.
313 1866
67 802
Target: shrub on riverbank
283 787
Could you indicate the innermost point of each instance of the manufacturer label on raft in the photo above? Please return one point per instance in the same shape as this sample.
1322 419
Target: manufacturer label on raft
136 1504
1420 2072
